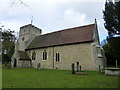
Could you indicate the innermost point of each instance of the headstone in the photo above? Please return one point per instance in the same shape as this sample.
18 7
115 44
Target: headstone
39 66
99 68
77 66
80 68
73 68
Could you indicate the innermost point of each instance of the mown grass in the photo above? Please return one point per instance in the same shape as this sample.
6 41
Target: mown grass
49 78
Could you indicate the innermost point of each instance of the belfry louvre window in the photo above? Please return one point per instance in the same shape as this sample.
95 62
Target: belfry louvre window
33 55
44 55
57 57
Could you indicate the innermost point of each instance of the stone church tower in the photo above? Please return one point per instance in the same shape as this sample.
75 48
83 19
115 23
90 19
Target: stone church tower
26 35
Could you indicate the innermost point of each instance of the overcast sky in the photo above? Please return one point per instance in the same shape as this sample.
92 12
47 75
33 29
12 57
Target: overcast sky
52 15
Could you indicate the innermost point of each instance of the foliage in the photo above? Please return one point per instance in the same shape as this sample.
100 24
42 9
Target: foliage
5 57
49 78
115 44
112 51
109 55
8 44
7 35
111 16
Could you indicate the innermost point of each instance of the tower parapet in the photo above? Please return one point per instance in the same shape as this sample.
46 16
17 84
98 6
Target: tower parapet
26 35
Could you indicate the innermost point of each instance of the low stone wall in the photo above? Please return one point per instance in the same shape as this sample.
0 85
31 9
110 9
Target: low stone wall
112 71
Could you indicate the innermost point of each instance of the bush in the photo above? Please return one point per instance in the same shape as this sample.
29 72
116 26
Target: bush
5 58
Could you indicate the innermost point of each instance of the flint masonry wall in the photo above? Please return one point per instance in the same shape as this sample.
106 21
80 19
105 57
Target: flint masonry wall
69 54
23 63
39 57
81 53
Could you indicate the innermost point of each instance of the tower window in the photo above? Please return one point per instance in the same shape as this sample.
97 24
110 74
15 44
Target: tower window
23 38
44 55
57 57
33 55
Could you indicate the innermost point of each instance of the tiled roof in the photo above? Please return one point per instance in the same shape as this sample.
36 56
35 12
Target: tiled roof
63 37
23 55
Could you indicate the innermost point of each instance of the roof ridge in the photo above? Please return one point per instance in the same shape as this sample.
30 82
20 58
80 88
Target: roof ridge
67 29
66 36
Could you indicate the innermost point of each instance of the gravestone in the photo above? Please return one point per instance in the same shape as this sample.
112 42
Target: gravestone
38 66
80 68
73 68
77 66
99 68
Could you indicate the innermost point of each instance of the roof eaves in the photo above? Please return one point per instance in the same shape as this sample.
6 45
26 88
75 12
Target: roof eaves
59 45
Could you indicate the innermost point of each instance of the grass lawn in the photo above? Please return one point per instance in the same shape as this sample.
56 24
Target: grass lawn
48 78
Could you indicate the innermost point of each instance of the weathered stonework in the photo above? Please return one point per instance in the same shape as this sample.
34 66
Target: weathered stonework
26 35
82 53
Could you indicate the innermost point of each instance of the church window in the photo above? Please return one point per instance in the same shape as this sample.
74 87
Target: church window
23 38
77 63
57 57
44 55
33 55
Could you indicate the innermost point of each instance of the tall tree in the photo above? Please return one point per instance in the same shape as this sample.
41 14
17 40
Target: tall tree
8 44
112 51
109 55
111 16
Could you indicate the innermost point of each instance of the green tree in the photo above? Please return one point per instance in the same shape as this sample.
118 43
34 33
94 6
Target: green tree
8 44
112 51
109 54
115 44
111 16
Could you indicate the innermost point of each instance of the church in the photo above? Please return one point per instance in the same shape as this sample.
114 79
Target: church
59 49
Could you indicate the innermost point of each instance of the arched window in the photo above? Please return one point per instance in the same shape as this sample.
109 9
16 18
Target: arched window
44 55
57 57
23 38
33 55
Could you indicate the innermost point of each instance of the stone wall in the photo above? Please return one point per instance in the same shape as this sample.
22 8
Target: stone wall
23 63
98 57
82 53
15 57
19 63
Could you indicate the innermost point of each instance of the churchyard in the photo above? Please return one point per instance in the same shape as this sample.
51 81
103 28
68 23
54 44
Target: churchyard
49 78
